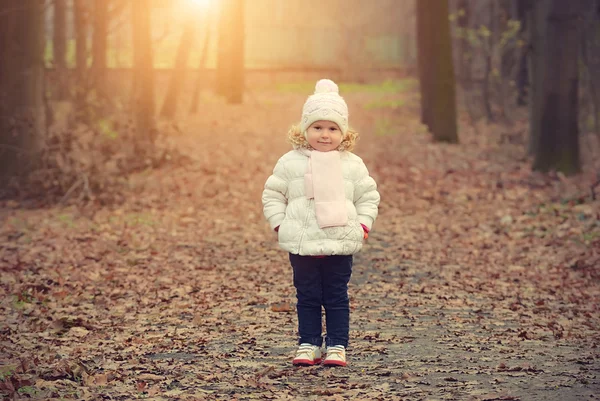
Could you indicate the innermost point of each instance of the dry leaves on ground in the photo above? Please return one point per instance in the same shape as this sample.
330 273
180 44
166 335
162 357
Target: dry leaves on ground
479 282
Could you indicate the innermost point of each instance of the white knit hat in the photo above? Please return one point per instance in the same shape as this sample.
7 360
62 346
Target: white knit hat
326 104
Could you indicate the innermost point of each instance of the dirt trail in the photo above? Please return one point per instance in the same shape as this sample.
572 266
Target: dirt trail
479 282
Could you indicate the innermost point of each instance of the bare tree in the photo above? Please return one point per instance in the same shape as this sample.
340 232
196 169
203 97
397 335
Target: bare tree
436 70
590 52
100 44
488 55
143 87
462 22
21 83
424 43
200 78
169 108
522 80
59 46
230 60
558 138
80 21
537 21
508 54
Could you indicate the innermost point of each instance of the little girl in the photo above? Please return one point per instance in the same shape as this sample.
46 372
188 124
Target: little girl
322 202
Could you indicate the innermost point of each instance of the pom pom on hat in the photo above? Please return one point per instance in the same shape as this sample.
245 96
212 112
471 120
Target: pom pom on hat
326 85
325 104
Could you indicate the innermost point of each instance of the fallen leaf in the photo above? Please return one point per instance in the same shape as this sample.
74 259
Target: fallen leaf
282 307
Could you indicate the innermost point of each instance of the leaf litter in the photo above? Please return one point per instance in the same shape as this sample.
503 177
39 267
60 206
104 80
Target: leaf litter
479 282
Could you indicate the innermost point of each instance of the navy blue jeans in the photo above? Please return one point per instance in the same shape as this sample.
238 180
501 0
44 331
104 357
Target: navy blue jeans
322 282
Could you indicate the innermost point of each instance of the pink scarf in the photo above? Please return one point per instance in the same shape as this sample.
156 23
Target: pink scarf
324 182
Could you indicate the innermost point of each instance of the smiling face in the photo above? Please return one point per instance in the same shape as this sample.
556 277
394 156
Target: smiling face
324 136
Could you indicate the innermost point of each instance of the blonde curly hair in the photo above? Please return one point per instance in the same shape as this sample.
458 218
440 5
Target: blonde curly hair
298 141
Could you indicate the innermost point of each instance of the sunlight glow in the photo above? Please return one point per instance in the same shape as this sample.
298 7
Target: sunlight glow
201 3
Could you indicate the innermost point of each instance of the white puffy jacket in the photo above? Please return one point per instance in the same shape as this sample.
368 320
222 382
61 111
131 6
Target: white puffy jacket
285 205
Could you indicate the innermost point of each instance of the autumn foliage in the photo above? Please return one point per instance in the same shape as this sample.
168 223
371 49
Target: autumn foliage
479 281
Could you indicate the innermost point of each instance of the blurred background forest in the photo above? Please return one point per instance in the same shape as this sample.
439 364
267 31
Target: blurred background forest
135 140
75 75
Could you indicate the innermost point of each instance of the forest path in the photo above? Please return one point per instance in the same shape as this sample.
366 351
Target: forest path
480 280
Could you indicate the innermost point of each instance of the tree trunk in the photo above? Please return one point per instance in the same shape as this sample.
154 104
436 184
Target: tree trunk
119 29
222 50
143 87
508 59
80 49
437 70
462 22
409 32
523 7
558 148
7 139
485 86
522 79
59 46
590 56
230 59
490 57
169 108
201 70
22 30
536 21
99 45
7 22
424 39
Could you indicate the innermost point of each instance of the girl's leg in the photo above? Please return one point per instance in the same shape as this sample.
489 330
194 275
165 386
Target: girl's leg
336 276
307 280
